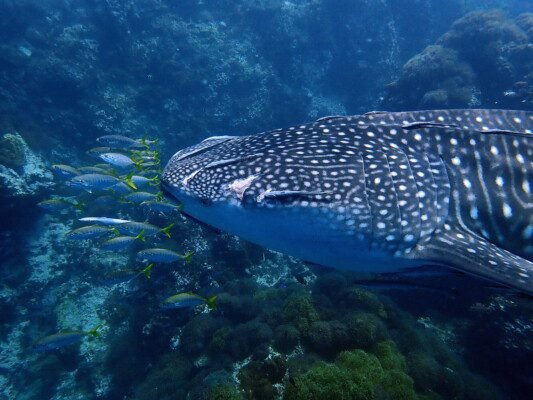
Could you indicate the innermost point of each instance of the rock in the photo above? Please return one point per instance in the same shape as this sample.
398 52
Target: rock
12 150
22 172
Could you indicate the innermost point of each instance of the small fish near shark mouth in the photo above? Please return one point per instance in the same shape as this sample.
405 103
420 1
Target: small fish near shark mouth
377 192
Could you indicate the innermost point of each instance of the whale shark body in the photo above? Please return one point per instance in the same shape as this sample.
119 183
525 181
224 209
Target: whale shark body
378 192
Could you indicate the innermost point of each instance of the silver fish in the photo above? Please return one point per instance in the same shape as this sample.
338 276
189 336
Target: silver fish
96 151
121 242
141 181
93 170
188 300
104 220
88 232
161 207
121 188
134 228
117 159
375 192
139 197
62 339
93 181
119 142
65 170
57 204
164 256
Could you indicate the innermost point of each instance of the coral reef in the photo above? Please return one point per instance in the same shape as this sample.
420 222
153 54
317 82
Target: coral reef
484 60
22 171
354 375
71 72
12 150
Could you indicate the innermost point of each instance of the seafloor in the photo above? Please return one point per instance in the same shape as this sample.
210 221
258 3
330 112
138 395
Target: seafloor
179 71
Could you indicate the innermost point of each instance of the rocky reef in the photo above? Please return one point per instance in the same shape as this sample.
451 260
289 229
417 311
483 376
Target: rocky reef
22 171
484 60
24 178
70 72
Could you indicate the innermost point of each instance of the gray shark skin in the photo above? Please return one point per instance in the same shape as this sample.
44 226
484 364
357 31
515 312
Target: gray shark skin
377 192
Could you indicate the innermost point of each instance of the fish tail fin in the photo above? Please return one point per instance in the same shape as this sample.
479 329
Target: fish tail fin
78 205
143 142
140 236
187 256
159 196
146 142
155 181
211 302
148 271
94 332
137 160
139 164
129 182
115 231
166 230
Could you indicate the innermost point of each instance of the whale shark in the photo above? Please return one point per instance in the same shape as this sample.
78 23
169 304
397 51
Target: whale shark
377 192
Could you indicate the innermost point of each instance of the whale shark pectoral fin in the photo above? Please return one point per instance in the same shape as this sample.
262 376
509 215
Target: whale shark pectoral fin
473 254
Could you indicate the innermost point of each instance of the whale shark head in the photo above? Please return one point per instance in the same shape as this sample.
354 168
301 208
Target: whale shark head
293 191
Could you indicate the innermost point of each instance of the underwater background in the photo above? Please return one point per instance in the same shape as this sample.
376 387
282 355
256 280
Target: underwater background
169 74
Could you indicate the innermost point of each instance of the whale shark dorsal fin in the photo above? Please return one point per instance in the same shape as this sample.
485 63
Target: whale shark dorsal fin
473 254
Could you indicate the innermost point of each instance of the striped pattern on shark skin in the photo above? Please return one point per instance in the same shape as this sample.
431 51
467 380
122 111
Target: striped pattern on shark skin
450 187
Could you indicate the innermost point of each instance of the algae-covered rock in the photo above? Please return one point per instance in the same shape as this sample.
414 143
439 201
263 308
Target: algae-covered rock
12 150
484 59
320 336
258 378
365 329
286 338
224 392
197 333
325 382
389 356
298 310
365 300
166 380
248 337
22 172
482 34
354 375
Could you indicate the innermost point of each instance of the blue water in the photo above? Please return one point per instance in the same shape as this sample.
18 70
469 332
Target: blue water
178 72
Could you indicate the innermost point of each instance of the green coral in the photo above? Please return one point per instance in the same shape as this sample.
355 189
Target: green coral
298 310
320 336
389 356
286 338
324 382
12 150
224 392
365 329
165 381
365 300
355 375
220 341
255 383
